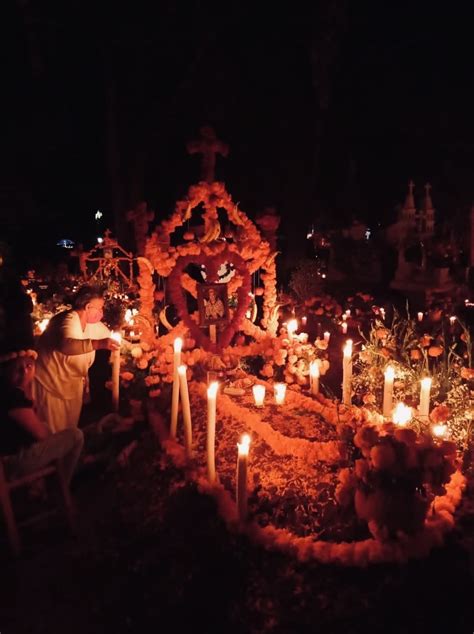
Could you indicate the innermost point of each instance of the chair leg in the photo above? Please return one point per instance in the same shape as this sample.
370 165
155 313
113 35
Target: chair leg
12 530
66 497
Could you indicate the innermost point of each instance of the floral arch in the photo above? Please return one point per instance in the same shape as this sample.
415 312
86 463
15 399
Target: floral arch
239 244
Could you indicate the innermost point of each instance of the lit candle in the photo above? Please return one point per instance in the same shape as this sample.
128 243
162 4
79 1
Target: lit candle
184 392
304 320
314 377
388 391
42 325
292 327
347 373
211 430
402 414
439 430
382 313
424 407
452 320
280 392
242 464
327 336
344 327
344 317
115 361
420 316
259 394
348 312
178 344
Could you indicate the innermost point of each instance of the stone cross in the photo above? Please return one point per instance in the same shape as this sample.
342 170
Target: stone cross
208 145
141 217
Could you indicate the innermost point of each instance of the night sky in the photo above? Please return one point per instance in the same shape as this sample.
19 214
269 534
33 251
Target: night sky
328 110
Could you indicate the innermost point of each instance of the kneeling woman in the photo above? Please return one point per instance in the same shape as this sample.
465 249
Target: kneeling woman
26 443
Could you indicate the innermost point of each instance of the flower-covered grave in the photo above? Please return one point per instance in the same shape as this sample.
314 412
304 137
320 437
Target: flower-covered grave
325 480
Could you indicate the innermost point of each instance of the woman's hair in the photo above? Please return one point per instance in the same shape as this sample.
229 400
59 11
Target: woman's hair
85 294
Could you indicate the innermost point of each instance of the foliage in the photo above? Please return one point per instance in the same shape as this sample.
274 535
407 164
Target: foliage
445 354
306 279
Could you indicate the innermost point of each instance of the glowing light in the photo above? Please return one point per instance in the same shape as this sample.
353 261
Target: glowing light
98 214
244 445
440 430
280 393
292 327
402 414
259 394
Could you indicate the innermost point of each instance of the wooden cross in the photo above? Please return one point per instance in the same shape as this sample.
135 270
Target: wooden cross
208 145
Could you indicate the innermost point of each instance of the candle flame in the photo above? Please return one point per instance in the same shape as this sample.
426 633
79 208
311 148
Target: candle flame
212 389
440 430
426 382
292 326
314 369
389 373
182 370
178 344
43 324
402 414
327 336
116 336
244 445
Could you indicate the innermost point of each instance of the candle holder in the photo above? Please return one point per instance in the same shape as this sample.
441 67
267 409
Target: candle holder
280 393
258 395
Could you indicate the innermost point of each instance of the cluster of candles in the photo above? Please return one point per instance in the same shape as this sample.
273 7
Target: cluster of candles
181 393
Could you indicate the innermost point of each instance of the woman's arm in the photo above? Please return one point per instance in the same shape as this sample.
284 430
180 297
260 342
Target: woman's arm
26 417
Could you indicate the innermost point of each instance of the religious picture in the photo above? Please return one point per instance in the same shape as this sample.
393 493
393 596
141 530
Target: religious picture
212 302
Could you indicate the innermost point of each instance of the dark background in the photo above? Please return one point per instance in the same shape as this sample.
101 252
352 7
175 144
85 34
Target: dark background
329 110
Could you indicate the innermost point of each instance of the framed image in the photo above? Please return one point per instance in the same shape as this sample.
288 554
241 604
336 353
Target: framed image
212 304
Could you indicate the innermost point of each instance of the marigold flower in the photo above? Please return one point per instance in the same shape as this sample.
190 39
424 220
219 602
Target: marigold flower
126 376
440 414
415 354
467 373
425 341
435 351
382 456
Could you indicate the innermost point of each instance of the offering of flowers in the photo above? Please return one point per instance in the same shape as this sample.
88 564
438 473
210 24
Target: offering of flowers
395 478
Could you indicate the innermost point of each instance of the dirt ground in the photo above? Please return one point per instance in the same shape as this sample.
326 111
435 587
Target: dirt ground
151 550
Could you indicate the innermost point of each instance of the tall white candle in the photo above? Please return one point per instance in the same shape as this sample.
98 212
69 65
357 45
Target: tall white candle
304 320
211 430
184 392
327 336
424 407
242 465
347 373
115 361
344 327
280 392
314 377
388 391
178 344
259 395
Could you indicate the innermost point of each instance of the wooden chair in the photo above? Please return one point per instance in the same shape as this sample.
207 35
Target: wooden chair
7 486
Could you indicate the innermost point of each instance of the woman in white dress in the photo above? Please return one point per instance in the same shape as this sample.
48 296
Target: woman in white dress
66 350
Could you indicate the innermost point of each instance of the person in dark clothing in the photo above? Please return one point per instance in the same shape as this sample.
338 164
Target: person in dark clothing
26 443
